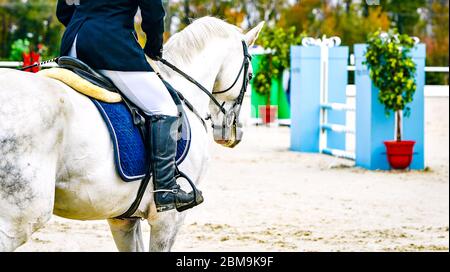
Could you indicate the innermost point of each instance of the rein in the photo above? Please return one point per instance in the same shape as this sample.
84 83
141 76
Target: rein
195 82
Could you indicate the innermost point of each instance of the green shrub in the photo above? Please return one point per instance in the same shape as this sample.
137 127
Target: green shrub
278 41
17 48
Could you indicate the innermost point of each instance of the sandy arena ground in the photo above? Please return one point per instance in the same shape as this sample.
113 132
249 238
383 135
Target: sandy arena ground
261 197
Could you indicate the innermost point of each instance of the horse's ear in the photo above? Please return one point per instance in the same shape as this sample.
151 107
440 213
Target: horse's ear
253 34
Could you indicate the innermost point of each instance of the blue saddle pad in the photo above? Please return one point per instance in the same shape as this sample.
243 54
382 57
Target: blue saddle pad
129 148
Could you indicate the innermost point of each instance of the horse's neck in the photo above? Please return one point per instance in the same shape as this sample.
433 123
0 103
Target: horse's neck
204 68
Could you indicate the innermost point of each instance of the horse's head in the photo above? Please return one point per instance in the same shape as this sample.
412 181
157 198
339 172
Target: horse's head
222 50
230 86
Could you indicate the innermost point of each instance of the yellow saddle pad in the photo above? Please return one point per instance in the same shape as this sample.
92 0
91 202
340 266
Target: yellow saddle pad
81 85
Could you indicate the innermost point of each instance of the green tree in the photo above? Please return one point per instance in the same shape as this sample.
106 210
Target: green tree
404 13
437 43
352 26
301 16
278 41
317 19
34 20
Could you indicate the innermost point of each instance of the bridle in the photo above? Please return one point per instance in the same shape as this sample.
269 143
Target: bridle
229 133
245 67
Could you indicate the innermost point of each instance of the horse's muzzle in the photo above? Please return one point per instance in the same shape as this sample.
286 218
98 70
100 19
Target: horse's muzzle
229 137
229 144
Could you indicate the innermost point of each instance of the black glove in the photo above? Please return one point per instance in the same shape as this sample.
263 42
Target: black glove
153 25
157 56
154 48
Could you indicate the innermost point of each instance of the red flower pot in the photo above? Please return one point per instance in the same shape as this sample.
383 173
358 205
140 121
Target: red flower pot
30 59
268 114
400 153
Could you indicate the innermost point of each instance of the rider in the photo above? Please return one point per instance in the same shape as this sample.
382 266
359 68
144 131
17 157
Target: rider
101 34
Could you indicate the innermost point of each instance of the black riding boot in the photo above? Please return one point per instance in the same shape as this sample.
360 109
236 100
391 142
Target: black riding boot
168 195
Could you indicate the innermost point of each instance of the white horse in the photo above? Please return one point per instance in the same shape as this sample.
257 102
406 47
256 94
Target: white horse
56 155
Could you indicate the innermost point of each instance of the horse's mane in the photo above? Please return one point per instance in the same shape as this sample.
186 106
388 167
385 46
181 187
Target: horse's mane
182 46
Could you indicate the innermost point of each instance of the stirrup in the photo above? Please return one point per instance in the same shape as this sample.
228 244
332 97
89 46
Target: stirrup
166 207
181 207
198 197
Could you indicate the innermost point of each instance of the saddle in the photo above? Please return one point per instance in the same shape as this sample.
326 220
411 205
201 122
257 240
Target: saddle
92 85
82 78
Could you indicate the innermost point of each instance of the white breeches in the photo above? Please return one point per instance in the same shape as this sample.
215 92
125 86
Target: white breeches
144 89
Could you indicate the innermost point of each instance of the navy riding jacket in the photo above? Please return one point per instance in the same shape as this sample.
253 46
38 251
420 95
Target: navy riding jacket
105 32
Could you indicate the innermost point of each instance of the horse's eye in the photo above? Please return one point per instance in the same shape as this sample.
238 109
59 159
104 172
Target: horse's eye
250 77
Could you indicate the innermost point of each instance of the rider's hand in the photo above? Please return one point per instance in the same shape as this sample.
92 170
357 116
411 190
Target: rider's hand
156 55
154 48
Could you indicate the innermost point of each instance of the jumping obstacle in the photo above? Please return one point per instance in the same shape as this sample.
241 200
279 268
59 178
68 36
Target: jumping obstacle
319 80
373 126
318 98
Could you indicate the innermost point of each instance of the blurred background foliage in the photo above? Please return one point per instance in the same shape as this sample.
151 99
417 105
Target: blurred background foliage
352 20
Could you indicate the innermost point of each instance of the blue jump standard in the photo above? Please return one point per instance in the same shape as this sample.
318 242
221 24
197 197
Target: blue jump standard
373 127
306 99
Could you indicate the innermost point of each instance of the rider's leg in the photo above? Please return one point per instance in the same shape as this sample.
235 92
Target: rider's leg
145 90
148 92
